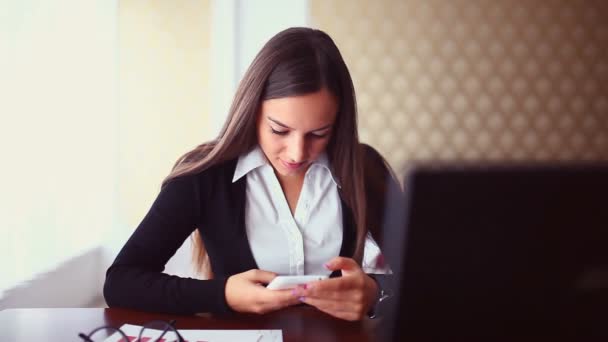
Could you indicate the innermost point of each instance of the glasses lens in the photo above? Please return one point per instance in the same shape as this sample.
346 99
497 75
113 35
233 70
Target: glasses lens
159 331
107 334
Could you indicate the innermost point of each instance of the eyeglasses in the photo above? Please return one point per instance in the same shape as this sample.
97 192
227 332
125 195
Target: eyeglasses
153 331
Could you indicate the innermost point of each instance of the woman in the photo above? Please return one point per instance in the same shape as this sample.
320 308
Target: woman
282 190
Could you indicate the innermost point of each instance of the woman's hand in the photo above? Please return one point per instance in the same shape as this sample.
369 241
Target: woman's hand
348 297
245 292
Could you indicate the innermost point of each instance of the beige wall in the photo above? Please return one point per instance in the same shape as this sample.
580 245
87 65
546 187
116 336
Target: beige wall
164 93
476 79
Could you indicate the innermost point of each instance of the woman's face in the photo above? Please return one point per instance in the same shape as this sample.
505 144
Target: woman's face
294 131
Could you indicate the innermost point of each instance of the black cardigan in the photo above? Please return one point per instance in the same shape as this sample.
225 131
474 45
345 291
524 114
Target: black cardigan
208 201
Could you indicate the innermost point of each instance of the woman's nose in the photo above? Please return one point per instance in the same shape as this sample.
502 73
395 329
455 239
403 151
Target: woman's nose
297 150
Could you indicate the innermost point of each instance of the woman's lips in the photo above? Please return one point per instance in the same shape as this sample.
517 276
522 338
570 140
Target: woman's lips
292 166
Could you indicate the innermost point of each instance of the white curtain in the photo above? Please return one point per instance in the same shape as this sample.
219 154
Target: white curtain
58 132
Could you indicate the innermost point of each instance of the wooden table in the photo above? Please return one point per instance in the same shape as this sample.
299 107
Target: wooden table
298 323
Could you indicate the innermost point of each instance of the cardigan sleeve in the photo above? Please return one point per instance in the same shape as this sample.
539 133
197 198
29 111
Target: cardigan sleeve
135 279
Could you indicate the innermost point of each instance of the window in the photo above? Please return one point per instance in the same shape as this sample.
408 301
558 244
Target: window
58 133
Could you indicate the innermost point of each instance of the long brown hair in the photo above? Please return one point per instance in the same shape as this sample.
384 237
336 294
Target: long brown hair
296 61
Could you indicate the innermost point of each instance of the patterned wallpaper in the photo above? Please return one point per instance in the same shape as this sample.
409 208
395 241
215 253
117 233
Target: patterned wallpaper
476 79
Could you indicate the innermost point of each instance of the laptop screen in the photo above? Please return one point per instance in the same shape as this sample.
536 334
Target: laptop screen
500 250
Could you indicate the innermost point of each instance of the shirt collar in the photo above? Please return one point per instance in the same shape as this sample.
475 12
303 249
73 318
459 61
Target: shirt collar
323 161
249 162
256 158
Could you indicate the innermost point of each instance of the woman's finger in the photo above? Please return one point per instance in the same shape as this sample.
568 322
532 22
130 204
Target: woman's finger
334 288
245 294
278 299
346 265
259 276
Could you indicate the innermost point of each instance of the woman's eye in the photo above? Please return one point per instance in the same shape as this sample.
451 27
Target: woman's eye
278 132
317 135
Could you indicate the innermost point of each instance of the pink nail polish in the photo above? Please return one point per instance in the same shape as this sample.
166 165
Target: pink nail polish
301 299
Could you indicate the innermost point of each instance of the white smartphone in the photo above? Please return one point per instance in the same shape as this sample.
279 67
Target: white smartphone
289 282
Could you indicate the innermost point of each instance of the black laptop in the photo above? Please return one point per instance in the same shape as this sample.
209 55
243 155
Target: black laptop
499 251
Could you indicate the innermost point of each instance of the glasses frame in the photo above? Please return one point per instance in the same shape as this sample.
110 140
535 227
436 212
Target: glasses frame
169 326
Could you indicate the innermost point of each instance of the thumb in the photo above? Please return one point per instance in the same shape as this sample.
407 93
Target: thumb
259 276
347 265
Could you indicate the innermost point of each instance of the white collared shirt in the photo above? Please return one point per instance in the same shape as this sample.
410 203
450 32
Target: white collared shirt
295 244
